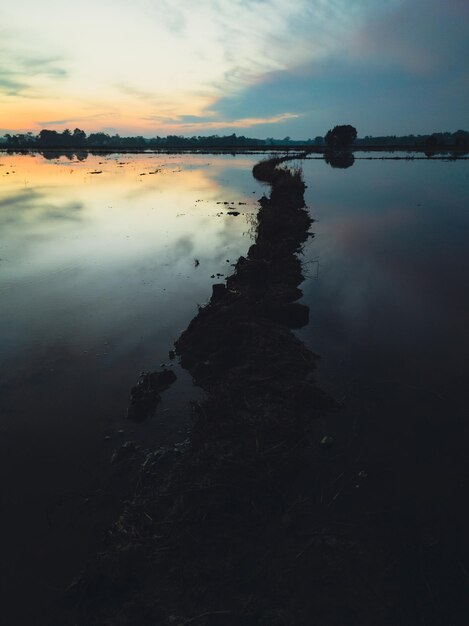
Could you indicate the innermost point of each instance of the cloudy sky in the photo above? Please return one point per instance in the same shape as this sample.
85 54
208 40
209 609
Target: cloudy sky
263 68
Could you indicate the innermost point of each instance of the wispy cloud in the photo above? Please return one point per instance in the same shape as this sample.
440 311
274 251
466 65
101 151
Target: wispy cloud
167 56
421 37
9 84
187 124
147 66
24 73
75 119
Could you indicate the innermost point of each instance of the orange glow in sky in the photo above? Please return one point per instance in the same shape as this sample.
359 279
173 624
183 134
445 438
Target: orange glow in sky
272 67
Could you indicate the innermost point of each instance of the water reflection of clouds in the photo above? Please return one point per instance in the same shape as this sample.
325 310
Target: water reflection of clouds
20 199
392 243
31 206
351 233
415 247
182 247
124 259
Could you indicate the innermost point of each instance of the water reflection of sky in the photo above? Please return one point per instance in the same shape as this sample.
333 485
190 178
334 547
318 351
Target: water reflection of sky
92 256
388 315
392 240
97 280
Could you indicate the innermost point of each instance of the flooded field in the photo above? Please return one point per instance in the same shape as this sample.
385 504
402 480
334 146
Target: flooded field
99 274
386 282
103 264
389 303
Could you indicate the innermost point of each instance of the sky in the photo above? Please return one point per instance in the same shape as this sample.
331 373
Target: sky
260 68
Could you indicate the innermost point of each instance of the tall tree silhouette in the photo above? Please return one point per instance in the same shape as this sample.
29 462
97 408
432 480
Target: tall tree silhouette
341 136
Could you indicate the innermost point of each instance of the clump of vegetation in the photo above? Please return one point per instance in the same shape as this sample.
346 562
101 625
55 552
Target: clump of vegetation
265 170
339 142
340 137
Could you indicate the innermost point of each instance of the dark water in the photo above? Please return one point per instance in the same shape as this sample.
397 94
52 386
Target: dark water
97 280
388 271
388 292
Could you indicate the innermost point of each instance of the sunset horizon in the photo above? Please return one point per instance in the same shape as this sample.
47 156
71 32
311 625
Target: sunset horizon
261 68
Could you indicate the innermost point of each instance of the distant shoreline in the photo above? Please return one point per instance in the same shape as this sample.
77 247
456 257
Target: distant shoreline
456 151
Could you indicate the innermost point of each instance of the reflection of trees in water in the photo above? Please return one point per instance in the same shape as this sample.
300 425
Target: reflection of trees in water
51 155
340 160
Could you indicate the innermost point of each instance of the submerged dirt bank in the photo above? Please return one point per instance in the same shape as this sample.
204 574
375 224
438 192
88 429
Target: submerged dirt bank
239 525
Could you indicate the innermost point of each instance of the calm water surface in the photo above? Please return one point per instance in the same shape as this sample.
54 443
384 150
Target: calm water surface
388 293
97 279
388 269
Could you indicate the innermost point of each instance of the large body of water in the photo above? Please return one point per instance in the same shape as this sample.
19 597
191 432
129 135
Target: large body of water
98 278
388 291
389 308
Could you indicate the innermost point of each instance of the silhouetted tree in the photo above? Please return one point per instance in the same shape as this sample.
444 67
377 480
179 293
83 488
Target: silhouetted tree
432 141
461 138
21 140
340 136
49 138
98 140
79 137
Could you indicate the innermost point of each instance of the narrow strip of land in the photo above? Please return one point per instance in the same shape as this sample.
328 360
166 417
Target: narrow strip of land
239 525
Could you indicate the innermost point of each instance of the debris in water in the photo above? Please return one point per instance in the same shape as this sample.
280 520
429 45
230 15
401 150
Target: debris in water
145 395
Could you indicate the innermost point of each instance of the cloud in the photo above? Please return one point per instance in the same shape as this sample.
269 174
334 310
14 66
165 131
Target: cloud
42 65
75 119
149 67
140 94
9 84
189 124
402 70
166 52
246 122
25 73
419 37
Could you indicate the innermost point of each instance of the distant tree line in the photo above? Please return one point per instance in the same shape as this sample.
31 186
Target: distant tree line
459 139
52 139
338 137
